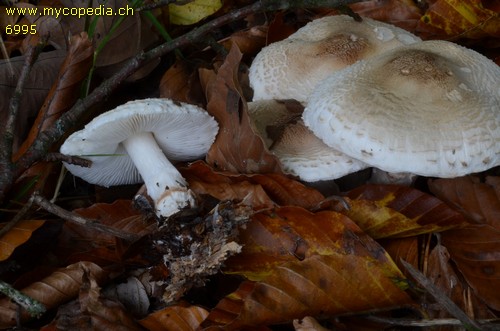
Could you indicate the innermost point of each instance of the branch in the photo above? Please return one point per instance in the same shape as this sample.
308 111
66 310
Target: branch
47 138
77 219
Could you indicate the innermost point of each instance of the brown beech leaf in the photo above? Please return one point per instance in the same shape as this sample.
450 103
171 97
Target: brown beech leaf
442 273
476 251
453 19
479 202
42 75
385 211
78 242
175 318
249 41
92 311
181 83
306 264
17 236
259 191
402 13
66 89
237 148
59 287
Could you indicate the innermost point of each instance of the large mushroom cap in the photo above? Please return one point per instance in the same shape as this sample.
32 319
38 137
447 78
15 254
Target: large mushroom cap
431 108
183 132
291 68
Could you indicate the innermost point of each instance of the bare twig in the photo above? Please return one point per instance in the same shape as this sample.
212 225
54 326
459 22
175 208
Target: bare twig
47 138
72 217
71 159
19 216
488 324
6 142
441 298
32 306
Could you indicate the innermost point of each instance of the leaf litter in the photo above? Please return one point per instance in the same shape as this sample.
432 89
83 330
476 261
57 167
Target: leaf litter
298 255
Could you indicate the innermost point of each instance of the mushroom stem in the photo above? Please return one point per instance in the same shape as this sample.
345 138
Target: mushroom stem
164 183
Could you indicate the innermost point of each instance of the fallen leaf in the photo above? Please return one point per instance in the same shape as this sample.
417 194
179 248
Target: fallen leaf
92 311
61 286
17 236
452 19
193 11
181 83
42 76
175 318
258 191
441 271
249 41
237 148
304 264
387 211
479 202
79 243
402 13
476 251
65 90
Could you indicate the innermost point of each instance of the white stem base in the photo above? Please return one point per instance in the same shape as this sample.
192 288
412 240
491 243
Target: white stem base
164 183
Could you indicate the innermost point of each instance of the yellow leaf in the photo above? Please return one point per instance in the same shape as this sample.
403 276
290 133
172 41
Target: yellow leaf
193 11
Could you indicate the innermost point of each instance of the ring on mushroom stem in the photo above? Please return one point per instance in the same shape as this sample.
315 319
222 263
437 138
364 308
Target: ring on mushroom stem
430 108
291 68
137 141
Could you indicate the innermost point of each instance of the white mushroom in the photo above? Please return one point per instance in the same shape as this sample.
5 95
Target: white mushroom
430 109
300 152
291 68
136 141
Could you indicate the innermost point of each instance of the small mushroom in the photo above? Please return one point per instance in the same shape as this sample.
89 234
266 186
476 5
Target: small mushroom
300 152
431 109
291 68
137 141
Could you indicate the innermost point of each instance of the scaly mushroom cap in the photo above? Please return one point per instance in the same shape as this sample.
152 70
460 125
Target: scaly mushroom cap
431 108
291 68
182 131
300 152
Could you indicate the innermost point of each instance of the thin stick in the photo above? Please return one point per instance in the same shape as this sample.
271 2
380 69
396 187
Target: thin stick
6 142
32 306
485 324
72 217
19 216
441 298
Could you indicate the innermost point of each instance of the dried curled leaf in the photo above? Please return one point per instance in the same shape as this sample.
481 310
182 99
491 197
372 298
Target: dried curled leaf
303 264
17 236
93 311
385 211
237 148
61 286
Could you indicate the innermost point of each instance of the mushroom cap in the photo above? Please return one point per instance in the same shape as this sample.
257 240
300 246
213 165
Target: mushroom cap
431 108
184 132
300 152
291 68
